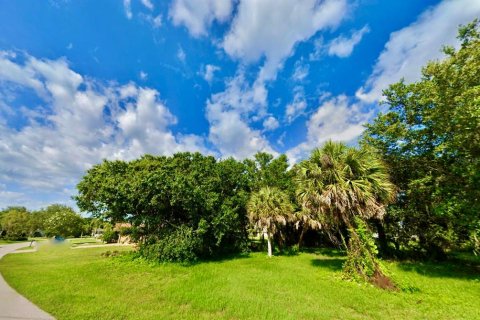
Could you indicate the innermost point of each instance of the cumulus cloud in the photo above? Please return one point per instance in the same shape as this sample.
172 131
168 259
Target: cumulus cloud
297 107
334 119
411 47
270 123
343 47
289 22
80 122
230 113
198 15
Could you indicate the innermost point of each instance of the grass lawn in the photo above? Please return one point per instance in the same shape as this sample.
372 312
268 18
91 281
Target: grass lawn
83 241
81 284
25 248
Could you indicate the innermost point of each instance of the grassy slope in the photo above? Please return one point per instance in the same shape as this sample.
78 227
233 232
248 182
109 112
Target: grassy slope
80 284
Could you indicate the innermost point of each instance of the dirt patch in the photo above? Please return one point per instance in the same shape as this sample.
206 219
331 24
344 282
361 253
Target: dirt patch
382 281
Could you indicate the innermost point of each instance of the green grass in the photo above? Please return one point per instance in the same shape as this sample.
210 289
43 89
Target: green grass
25 248
81 284
83 241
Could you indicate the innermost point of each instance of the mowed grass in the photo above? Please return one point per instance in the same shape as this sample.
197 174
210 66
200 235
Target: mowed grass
84 241
81 284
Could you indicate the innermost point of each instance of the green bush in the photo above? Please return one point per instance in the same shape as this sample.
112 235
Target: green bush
110 236
180 245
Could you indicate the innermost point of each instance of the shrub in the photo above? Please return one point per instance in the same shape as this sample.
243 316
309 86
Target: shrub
110 236
180 245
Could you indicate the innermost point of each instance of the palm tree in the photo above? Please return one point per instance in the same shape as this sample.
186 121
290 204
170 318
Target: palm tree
267 209
340 184
306 220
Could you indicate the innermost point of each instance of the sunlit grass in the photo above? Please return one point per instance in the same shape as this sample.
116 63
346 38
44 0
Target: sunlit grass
81 284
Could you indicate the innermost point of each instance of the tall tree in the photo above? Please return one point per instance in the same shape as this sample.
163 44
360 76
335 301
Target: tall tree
430 139
306 220
63 221
345 185
201 198
268 209
15 223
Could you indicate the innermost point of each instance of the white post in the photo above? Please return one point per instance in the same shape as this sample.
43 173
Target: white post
269 241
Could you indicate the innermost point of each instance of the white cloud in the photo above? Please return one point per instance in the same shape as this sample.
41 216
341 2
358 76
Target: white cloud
289 22
300 71
181 54
411 47
127 6
334 119
148 4
270 123
343 47
230 113
81 122
209 72
319 49
198 15
155 21
143 75
297 107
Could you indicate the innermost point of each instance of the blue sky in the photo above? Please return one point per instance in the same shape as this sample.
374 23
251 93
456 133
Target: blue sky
81 81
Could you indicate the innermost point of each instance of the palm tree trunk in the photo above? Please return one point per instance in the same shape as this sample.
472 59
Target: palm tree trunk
382 237
269 242
300 240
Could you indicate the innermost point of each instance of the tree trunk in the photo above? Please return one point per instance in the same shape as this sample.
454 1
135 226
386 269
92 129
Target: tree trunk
300 240
382 237
269 243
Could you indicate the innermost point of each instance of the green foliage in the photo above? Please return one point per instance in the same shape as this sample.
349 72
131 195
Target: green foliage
15 223
60 220
109 235
362 251
430 139
269 209
344 186
161 194
338 183
266 171
181 245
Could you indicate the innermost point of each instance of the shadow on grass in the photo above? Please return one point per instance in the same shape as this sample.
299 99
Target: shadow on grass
329 252
443 269
330 264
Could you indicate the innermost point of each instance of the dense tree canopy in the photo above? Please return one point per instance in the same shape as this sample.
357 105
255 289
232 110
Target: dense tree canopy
56 219
430 138
162 194
15 223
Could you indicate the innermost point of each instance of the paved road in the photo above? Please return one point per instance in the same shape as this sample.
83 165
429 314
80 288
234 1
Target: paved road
13 306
